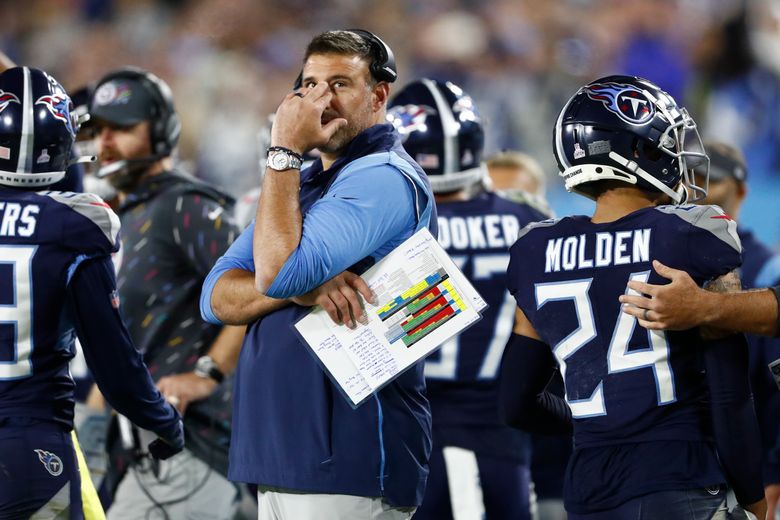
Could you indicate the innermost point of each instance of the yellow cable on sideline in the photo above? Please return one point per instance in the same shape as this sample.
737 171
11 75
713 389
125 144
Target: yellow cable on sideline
93 510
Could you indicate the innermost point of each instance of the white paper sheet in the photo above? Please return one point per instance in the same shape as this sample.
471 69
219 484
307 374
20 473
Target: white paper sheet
422 300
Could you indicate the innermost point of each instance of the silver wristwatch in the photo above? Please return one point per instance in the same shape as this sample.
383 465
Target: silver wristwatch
281 159
206 367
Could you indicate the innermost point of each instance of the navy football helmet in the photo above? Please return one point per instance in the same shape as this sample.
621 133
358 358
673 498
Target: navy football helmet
442 130
627 129
37 128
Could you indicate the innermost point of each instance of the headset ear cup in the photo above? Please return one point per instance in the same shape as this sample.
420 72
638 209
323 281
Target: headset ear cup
172 132
383 65
298 81
165 129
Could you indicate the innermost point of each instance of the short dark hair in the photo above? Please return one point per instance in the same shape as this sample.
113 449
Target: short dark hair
346 43
596 189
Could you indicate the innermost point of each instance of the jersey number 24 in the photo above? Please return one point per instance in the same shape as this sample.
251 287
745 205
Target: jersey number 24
619 359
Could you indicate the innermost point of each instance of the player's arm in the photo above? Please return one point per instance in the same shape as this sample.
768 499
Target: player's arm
112 358
735 428
772 478
763 381
526 369
682 304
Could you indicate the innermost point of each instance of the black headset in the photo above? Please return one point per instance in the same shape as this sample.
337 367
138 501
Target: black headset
164 125
382 67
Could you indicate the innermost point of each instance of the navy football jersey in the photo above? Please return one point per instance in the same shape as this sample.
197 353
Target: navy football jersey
461 376
624 384
43 238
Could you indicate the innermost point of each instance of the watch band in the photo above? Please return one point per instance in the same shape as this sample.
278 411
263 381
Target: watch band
206 367
285 150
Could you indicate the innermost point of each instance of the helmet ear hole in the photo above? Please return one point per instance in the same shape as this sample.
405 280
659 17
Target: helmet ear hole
651 152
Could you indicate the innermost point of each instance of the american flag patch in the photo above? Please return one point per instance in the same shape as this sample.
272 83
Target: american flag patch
114 297
427 160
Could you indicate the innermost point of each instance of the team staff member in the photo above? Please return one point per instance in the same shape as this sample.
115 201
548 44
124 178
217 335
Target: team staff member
175 228
294 435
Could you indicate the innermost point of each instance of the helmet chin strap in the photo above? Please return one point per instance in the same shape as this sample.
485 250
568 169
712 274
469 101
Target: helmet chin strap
633 167
683 194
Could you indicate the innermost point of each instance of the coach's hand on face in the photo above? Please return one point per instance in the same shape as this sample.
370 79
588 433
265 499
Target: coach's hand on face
298 120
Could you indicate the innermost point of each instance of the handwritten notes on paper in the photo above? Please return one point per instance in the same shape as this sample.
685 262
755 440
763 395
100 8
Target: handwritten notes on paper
422 300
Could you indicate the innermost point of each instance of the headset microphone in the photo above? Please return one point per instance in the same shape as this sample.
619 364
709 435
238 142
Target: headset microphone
125 165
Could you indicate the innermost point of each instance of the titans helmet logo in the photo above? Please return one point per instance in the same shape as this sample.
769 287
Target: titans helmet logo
51 462
410 118
626 101
6 98
59 107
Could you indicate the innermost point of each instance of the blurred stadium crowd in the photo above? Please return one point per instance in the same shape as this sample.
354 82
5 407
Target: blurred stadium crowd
230 62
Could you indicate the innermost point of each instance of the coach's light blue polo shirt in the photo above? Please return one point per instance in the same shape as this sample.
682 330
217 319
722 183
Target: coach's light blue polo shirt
292 429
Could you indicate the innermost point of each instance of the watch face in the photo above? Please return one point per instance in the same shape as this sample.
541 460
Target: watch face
278 161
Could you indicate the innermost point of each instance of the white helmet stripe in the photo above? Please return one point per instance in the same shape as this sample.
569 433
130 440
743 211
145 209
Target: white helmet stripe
449 126
24 164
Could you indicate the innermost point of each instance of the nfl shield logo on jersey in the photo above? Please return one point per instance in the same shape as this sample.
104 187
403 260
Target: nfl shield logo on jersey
51 462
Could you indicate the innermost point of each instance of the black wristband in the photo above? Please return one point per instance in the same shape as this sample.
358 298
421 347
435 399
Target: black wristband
286 150
776 290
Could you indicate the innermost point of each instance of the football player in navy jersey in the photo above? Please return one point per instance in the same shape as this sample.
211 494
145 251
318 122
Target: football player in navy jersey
661 421
57 281
479 466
